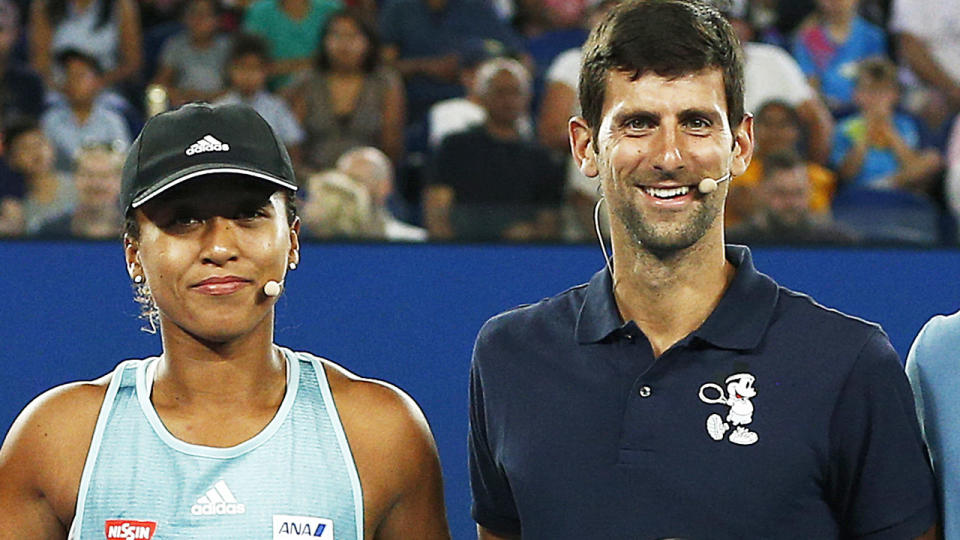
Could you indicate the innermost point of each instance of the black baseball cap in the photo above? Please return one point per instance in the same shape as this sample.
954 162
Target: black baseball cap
199 140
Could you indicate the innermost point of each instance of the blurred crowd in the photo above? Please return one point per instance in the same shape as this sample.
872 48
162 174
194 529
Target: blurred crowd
414 120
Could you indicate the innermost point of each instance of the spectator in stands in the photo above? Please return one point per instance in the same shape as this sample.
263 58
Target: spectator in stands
97 211
830 43
48 193
107 30
782 214
373 170
770 73
777 128
248 68
81 119
929 46
337 206
488 183
567 28
293 29
878 146
12 191
558 105
22 89
423 39
349 99
192 62
455 115
951 187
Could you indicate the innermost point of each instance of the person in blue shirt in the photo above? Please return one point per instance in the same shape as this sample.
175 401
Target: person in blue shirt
878 147
681 393
225 434
932 369
829 45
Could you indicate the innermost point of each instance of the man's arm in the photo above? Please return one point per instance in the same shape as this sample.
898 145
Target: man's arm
915 54
819 124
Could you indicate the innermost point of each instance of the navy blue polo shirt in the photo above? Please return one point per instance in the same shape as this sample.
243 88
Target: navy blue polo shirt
777 418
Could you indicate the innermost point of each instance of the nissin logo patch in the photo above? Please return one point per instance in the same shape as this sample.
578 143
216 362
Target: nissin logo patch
126 529
300 527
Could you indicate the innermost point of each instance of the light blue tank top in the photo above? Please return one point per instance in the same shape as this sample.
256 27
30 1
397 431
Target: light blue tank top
294 479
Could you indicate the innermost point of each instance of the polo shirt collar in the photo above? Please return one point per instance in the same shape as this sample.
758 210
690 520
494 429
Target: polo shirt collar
738 322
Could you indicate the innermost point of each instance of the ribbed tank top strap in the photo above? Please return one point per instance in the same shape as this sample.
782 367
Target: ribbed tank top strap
124 379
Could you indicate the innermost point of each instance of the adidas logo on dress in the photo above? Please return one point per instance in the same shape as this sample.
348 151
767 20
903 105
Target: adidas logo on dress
208 143
218 500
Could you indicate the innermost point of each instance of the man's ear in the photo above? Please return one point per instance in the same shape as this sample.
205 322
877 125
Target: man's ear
742 145
582 146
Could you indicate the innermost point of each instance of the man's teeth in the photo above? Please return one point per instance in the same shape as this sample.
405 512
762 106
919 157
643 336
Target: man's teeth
667 193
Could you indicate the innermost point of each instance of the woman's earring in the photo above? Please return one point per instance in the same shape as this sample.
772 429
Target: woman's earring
292 265
138 279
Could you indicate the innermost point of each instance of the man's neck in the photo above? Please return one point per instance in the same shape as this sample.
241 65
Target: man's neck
670 295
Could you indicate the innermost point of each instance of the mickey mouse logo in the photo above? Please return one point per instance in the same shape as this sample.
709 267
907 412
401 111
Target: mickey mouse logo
738 394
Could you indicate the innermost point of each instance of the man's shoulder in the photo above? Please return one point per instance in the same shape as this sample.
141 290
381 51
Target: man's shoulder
536 321
821 322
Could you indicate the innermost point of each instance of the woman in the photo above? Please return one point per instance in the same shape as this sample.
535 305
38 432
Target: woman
349 100
107 30
225 434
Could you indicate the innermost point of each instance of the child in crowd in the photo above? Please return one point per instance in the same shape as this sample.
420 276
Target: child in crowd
192 62
248 68
81 119
877 147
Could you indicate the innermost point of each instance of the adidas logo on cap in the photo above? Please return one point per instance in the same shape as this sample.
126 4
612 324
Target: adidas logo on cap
218 500
208 143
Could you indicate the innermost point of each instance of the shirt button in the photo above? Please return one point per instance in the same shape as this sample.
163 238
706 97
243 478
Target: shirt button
629 336
645 391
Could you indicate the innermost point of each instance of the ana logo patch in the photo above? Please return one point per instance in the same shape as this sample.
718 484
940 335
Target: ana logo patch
738 394
301 527
128 529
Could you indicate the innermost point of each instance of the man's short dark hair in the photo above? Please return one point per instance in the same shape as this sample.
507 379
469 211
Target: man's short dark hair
667 37
783 160
245 44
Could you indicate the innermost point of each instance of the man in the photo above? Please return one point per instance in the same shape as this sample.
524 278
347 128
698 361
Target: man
425 40
96 214
488 183
929 47
681 393
783 214
372 169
